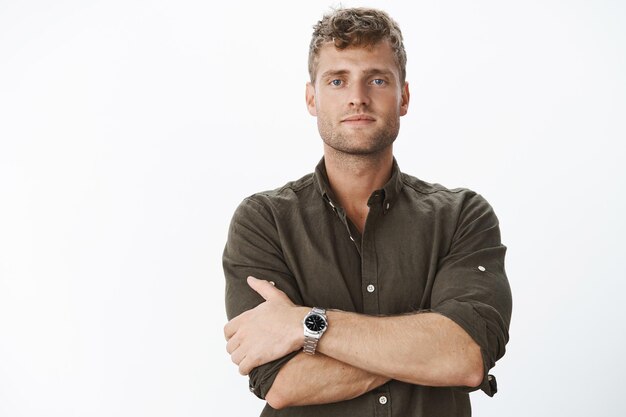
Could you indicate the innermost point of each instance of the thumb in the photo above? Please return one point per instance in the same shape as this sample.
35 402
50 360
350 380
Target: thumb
265 289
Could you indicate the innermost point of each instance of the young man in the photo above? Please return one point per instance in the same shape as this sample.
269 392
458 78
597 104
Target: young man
400 284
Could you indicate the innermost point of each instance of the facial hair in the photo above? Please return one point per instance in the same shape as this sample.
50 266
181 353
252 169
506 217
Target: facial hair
359 142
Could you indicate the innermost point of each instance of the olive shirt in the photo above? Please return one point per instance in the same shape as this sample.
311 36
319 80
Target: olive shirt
423 248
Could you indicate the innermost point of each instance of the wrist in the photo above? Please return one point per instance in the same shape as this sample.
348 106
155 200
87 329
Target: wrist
298 336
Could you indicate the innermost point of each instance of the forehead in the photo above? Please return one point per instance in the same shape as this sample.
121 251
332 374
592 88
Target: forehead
357 59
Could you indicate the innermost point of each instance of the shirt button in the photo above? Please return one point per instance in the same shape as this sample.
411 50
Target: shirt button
382 400
481 268
371 288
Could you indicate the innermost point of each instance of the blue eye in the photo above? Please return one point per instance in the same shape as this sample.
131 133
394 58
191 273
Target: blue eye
378 82
336 83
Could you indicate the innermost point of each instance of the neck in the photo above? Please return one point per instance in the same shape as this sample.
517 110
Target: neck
353 178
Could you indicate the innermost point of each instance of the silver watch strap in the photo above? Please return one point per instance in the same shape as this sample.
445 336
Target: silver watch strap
321 311
310 341
310 344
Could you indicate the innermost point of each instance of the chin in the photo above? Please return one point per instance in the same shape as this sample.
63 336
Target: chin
360 150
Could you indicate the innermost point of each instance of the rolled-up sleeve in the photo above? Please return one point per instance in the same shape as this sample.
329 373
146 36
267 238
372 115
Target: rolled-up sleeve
253 248
471 287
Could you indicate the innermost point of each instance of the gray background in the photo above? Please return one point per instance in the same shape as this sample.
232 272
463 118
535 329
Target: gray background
130 130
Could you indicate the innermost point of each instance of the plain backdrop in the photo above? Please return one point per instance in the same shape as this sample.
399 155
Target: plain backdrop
130 130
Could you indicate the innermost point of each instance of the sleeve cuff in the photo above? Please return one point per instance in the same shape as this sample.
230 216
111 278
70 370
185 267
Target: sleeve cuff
262 378
466 316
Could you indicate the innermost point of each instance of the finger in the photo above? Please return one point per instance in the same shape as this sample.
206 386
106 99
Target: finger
238 356
266 289
231 328
232 345
245 366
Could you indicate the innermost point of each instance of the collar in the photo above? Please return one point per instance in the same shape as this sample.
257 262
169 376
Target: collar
389 192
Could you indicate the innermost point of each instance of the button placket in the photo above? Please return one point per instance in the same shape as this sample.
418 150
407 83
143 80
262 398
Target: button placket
342 216
369 260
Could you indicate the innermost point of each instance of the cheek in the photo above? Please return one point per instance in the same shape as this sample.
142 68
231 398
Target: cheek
326 107
394 104
324 100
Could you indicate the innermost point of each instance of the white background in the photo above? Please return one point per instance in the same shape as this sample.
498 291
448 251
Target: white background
130 131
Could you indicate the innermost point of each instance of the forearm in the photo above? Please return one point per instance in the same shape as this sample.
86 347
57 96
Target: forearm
423 348
319 379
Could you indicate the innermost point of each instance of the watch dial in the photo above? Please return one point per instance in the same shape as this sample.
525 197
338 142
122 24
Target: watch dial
315 323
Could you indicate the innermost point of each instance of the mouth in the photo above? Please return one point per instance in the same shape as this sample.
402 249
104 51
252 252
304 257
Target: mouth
358 119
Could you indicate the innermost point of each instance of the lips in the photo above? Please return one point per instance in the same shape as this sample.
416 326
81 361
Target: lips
358 118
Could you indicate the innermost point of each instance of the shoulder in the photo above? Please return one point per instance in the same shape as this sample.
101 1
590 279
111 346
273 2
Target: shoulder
292 194
423 190
464 213
450 205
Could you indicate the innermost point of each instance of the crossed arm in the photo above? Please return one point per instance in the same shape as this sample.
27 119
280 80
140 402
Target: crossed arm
358 353
298 382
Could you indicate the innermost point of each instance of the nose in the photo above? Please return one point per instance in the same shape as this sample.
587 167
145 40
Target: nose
359 95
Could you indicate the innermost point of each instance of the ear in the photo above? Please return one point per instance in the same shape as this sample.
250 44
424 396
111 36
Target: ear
310 99
404 103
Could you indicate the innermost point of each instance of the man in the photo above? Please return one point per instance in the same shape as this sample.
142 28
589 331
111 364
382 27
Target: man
400 284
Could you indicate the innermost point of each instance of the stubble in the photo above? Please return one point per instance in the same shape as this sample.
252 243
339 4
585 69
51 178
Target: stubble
358 142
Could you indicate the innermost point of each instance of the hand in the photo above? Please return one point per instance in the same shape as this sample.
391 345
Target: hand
267 332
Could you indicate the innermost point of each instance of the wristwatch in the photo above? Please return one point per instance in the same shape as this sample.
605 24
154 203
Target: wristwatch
315 324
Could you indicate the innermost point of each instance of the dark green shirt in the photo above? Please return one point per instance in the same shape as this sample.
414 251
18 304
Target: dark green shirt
424 247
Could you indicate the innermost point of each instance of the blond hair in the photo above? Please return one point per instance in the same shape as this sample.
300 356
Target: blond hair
356 27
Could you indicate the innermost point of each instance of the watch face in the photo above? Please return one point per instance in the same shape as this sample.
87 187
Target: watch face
315 323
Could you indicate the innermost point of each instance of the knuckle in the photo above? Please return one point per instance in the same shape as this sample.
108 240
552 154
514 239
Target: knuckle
253 357
229 346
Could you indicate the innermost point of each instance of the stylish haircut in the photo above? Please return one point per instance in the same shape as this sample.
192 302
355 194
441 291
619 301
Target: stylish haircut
356 27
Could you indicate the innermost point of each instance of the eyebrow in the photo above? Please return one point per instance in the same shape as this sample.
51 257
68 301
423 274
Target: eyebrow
376 71
368 72
334 73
